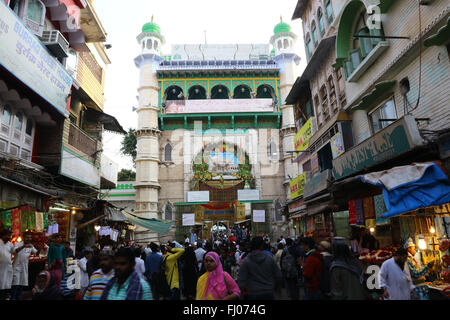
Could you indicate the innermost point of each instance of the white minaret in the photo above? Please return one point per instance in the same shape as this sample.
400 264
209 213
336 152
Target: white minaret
148 133
283 42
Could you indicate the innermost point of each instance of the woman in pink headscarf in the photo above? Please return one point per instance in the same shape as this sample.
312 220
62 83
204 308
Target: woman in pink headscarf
216 284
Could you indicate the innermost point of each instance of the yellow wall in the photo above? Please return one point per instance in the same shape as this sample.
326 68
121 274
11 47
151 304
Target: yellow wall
90 84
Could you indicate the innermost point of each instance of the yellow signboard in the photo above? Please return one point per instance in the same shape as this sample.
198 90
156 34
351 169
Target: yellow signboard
297 186
301 140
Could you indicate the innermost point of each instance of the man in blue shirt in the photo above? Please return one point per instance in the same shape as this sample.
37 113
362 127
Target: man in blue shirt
152 264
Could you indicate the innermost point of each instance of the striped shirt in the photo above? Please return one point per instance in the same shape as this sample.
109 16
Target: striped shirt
115 294
97 284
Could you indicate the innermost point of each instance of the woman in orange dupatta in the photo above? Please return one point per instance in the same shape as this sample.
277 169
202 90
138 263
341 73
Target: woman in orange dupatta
215 284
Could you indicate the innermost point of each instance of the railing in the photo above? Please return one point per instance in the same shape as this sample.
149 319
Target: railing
83 142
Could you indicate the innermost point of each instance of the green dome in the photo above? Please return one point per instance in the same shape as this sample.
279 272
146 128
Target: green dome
151 27
281 28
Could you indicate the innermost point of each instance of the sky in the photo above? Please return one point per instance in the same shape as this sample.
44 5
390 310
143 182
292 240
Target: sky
181 21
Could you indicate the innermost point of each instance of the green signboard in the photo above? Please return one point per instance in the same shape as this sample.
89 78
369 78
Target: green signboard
399 137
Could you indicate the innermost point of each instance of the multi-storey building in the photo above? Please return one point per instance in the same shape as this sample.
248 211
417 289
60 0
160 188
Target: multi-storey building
213 133
379 95
52 74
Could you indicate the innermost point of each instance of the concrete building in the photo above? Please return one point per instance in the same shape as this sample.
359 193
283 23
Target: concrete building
214 137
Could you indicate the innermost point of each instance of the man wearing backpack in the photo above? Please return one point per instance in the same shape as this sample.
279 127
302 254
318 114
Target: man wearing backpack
290 259
312 269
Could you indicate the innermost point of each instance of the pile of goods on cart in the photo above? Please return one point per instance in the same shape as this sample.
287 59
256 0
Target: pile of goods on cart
380 255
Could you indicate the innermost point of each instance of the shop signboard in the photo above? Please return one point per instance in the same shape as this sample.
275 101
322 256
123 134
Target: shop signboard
189 219
198 196
248 195
301 140
23 54
219 106
259 216
76 167
297 186
401 136
296 206
317 183
337 145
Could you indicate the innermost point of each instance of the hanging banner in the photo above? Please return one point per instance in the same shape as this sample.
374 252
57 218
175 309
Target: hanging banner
301 140
337 145
259 216
297 186
198 196
248 194
351 213
39 221
15 225
189 219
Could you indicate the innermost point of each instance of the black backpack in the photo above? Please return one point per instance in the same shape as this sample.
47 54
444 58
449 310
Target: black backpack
325 276
289 265
159 281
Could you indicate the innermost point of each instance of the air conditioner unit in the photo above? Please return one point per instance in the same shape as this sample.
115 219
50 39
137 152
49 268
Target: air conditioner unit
56 43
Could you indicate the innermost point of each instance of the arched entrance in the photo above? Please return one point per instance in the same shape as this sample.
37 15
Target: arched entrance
221 169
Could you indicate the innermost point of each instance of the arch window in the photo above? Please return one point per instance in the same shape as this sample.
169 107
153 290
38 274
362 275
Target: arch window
18 121
197 93
314 33
174 93
168 212
272 151
321 22
156 45
329 11
143 44
280 45
149 44
308 46
219 92
264 92
242 92
286 43
6 116
168 152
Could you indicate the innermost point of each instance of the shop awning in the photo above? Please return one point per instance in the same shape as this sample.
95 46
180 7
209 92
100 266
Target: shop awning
441 37
381 91
243 221
110 123
411 187
116 215
154 225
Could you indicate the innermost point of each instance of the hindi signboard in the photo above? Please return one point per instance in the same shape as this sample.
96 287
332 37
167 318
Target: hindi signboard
198 196
189 219
301 140
22 54
297 186
259 216
248 195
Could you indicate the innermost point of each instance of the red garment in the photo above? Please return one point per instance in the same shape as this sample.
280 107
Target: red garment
232 239
312 270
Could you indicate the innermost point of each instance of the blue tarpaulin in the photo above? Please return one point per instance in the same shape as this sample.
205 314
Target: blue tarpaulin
411 187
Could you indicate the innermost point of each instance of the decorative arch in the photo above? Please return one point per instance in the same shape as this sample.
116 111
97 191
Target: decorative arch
273 153
169 210
242 91
265 92
308 45
196 93
168 152
321 21
174 93
348 20
220 92
314 34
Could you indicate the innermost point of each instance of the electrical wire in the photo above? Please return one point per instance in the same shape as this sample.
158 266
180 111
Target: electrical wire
420 59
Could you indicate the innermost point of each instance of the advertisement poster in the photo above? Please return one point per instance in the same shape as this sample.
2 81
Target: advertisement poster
301 140
337 145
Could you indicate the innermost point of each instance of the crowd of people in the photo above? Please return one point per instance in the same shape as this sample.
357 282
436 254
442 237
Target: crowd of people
224 268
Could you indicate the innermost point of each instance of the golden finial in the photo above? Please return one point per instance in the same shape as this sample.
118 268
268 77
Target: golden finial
152 18
281 19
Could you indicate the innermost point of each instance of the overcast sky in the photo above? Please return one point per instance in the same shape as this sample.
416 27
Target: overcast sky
181 21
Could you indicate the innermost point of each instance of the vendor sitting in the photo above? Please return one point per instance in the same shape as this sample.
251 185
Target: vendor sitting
417 272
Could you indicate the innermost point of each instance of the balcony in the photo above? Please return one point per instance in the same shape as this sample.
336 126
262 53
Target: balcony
82 142
219 106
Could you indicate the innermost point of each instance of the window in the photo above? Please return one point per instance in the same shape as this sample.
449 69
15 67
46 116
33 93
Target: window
333 101
314 33
272 151
29 127
329 11
242 92
149 44
168 212
286 43
174 93
168 153
280 45
219 92
197 93
321 22
18 121
36 11
308 46
72 62
156 45
6 116
384 112
323 94
264 92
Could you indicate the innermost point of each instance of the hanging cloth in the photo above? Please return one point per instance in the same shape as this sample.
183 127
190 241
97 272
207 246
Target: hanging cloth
351 213
359 209
380 208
